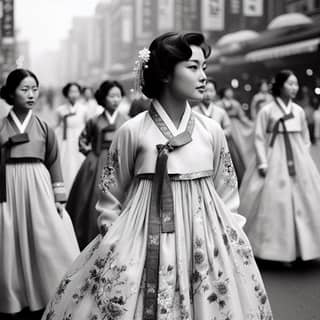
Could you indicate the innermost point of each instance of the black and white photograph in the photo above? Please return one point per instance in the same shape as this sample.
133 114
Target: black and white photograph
159 160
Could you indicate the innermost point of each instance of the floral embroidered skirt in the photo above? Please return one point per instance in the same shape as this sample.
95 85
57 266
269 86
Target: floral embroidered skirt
207 269
36 245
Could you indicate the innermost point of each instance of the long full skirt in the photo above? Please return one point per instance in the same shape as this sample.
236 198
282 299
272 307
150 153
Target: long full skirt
242 134
282 212
83 197
207 270
37 246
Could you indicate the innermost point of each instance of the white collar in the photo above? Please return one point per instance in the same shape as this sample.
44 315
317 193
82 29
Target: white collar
285 108
21 126
163 114
207 110
111 118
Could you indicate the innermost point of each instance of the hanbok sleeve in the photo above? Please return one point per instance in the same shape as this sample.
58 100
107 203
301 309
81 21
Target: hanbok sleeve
85 138
260 139
52 162
305 130
225 179
226 123
116 176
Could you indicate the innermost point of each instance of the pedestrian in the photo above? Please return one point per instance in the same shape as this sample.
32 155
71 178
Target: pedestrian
72 117
192 260
280 190
94 143
36 243
93 108
209 108
261 98
241 126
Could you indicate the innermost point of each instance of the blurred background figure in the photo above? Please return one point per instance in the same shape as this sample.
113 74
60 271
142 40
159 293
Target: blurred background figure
304 100
241 126
94 143
139 104
93 109
261 98
4 108
280 190
209 108
44 108
72 117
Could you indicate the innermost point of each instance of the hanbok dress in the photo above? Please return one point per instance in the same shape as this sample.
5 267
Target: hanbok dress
37 246
194 262
241 128
259 100
72 120
220 115
94 143
282 209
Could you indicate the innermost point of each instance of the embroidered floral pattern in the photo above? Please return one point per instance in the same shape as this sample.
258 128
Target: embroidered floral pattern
220 292
108 174
104 282
229 174
242 249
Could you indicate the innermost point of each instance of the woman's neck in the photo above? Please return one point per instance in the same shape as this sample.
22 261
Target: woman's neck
174 107
21 113
285 100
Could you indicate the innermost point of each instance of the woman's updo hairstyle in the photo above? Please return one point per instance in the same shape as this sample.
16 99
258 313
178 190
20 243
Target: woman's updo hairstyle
279 81
12 83
104 89
165 52
66 88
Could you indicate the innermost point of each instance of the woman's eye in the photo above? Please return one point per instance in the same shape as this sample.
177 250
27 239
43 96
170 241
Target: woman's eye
194 67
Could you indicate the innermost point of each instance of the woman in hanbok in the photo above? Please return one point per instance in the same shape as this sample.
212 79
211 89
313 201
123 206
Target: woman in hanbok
89 101
72 118
280 191
260 99
37 245
94 143
208 108
174 246
241 126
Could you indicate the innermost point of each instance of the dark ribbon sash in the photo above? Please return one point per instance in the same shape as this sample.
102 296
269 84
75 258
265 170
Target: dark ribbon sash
161 217
65 124
101 138
5 153
287 143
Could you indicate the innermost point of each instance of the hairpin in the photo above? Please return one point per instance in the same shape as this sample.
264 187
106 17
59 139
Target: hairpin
140 64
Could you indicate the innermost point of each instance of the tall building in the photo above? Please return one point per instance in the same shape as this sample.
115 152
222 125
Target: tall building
7 38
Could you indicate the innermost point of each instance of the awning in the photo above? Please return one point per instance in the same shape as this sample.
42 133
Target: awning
285 50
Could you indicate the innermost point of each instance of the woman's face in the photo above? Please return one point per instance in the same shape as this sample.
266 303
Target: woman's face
228 94
264 87
26 94
210 93
73 94
113 98
188 78
290 87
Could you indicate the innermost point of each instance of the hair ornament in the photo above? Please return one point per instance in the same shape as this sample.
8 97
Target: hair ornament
140 64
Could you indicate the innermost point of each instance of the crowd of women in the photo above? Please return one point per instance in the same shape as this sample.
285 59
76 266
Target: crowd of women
157 228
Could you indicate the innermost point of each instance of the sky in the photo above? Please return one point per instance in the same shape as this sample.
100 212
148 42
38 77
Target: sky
46 22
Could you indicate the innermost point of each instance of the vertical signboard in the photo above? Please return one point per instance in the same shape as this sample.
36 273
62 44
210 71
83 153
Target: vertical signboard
253 8
7 21
144 23
212 13
166 12
191 15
